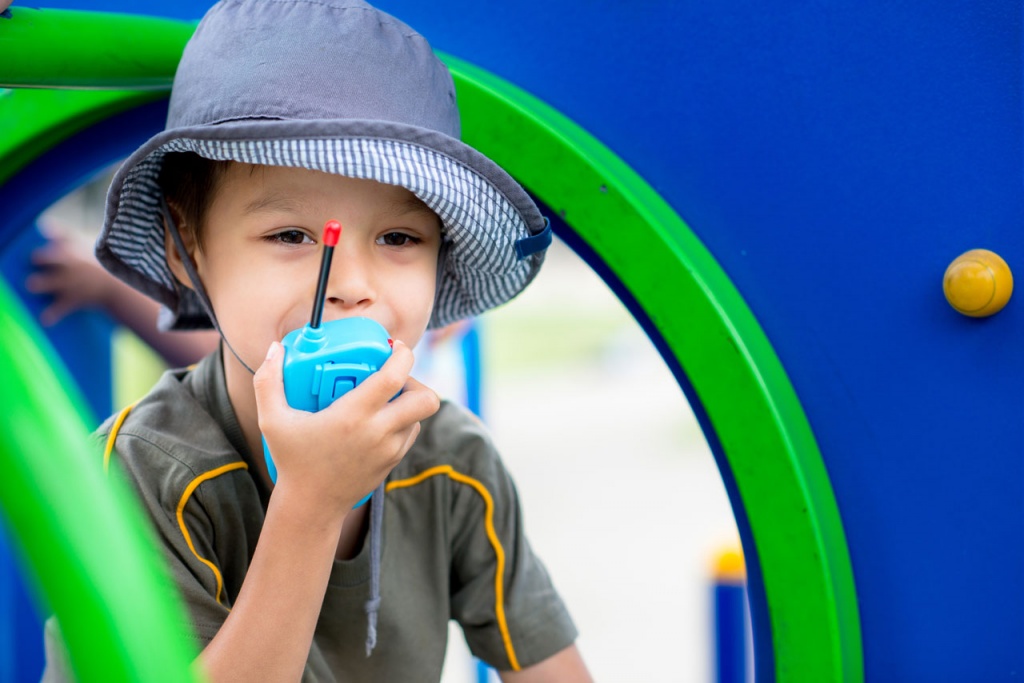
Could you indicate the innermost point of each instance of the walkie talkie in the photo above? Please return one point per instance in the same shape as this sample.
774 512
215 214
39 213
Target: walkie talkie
322 362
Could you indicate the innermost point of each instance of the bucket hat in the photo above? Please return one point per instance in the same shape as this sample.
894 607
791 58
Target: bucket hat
335 86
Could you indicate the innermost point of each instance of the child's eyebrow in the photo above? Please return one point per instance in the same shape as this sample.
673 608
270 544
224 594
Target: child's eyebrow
411 204
275 202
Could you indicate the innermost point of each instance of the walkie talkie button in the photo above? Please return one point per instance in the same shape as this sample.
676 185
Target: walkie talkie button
333 388
343 385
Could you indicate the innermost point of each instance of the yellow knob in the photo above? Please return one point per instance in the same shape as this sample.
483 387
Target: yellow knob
978 283
729 566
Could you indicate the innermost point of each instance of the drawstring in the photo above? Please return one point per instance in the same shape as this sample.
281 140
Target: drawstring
373 604
200 291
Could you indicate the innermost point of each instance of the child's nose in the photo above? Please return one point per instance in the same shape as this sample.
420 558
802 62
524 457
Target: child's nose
350 284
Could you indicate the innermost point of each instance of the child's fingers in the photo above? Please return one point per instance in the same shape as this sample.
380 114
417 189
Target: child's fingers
269 387
64 299
382 385
413 432
399 443
58 252
42 282
55 312
47 255
416 403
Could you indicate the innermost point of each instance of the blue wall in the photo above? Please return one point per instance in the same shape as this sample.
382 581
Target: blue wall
835 158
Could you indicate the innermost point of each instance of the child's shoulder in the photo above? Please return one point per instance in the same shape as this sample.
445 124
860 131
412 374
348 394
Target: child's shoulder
456 438
168 430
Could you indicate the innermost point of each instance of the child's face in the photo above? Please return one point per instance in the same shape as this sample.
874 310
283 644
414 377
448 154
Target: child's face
261 250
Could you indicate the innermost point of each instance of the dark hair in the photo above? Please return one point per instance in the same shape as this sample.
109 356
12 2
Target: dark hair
189 182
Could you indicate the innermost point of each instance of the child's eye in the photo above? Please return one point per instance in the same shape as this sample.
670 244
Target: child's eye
290 237
397 239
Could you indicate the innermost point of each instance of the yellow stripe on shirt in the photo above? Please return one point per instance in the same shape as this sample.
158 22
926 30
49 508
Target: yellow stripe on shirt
492 536
112 437
189 490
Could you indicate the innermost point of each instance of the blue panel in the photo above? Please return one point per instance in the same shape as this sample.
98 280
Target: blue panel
9 622
730 629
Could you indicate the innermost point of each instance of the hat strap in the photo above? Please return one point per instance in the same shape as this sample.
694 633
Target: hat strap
197 283
528 246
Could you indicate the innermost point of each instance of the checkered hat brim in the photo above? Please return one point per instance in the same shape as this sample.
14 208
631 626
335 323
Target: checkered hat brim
484 212
376 105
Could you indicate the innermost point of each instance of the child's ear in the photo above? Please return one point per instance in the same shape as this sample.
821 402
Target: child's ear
171 250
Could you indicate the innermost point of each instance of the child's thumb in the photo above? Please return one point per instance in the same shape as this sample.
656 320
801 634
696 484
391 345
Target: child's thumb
269 385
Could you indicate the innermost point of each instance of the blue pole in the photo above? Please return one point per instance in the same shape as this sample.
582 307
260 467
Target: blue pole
731 628
471 358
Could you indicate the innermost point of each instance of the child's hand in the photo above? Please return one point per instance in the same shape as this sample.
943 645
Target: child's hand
69 274
338 455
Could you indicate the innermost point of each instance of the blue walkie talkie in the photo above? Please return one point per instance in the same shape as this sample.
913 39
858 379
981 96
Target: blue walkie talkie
322 362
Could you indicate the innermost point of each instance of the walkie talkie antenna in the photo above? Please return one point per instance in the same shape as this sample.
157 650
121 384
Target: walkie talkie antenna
332 231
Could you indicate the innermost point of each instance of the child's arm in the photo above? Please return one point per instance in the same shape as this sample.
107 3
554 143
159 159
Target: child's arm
326 462
563 667
75 280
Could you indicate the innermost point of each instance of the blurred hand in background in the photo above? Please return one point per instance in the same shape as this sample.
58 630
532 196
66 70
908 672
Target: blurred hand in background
67 271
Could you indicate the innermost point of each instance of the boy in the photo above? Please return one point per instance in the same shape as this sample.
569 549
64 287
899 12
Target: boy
285 114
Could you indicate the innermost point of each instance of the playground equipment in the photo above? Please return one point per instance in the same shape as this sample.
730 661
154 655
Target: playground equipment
94 556
830 162
731 624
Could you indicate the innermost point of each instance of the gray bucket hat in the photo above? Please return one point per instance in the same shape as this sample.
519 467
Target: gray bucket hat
335 86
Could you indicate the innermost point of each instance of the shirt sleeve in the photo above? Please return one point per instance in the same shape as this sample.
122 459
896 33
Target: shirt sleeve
184 531
502 596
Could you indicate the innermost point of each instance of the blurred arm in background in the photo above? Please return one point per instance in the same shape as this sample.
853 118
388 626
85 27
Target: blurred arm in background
68 272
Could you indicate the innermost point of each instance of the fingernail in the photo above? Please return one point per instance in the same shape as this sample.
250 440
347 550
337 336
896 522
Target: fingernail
272 351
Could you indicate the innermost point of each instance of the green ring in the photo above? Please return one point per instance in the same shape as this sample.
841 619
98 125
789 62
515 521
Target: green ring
780 477
81 533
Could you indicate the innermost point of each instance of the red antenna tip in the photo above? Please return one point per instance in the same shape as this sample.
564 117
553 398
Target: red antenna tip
332 231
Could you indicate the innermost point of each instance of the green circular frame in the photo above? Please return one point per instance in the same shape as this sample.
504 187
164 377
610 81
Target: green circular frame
765 437
82 534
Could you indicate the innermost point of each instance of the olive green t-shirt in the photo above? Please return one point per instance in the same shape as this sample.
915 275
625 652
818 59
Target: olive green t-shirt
452 545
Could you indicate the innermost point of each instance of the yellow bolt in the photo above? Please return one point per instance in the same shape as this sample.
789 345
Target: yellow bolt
978 283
